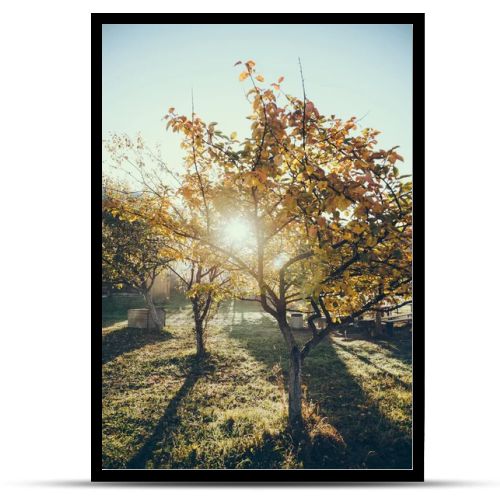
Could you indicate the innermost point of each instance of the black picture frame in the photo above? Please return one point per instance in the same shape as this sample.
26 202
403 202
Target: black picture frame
255 477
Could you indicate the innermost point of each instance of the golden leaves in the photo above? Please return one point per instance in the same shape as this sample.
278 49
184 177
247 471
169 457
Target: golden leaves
393 157
255 179
360 164
278 160
343 203
290 201
337 202
349 125
186 192
357 228
332 194
261 174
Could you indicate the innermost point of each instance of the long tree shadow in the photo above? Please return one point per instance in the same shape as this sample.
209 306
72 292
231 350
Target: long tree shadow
399 346
123 340
169 421
368 361
372 439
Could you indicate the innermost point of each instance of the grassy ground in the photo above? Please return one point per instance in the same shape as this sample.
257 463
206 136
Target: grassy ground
162 409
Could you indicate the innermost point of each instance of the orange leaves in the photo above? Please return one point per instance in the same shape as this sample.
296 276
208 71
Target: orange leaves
358 191
245 74
368 179
255 179
331 203
309 107
337 202
275 86
315 194
186 192
261 174
360 164
290 201
313 231
343 203
311 110
350 124
356 228
256 103
330 186
394 157
250 65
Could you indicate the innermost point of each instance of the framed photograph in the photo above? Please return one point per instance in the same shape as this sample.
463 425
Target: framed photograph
261 195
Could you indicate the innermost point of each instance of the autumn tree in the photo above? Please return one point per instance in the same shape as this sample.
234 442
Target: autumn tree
201 273
133 251
329 216
180 206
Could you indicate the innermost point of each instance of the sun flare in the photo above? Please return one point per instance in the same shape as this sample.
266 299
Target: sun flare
236 232
280 260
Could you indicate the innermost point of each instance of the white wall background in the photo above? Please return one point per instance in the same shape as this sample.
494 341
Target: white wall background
45 220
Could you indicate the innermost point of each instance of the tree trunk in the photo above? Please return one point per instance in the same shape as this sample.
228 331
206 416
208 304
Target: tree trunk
198 329
157 325
200 339
378 324
295 421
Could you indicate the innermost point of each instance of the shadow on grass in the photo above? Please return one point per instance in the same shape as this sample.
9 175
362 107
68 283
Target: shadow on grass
125 340
368 361
399 348
372 440
169 421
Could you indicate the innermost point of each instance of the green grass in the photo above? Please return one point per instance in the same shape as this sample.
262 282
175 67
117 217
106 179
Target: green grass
114 308
162 409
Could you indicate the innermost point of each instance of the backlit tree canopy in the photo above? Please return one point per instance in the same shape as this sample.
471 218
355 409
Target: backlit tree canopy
134 252
326 217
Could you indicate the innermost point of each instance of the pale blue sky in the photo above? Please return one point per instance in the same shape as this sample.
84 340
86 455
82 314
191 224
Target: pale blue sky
349 70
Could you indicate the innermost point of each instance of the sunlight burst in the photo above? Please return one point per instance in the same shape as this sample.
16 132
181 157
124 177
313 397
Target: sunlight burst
237 232
280 260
